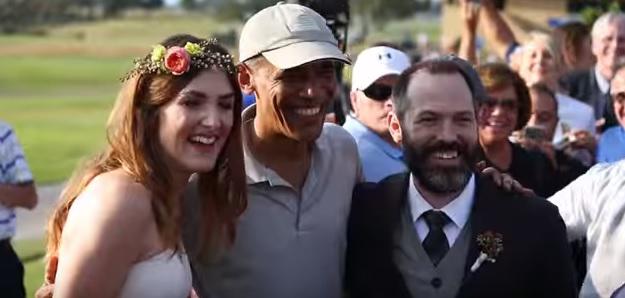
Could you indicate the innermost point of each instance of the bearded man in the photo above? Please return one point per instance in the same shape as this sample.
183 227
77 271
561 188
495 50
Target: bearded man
441 230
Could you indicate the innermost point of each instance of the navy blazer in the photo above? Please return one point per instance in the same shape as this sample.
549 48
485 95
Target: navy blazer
582 85
535 261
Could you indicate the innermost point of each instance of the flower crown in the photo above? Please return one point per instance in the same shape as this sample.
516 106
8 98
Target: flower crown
179 60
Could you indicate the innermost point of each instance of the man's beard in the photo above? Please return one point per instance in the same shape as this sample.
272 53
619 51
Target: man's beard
438 178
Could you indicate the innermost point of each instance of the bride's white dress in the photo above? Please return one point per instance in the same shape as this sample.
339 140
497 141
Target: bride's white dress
165 275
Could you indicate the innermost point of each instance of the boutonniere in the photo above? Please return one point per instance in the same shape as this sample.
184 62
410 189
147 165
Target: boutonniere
491 245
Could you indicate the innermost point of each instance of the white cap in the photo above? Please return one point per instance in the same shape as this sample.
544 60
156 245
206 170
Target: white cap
288 35
376 62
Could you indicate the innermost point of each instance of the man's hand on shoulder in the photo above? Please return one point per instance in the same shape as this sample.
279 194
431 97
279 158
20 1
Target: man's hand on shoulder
503 180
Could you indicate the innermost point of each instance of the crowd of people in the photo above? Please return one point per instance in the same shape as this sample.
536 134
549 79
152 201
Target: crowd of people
434 186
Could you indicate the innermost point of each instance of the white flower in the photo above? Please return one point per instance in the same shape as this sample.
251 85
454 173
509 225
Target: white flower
483 257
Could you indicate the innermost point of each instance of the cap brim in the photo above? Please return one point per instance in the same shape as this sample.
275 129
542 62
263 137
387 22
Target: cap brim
300 53
372 76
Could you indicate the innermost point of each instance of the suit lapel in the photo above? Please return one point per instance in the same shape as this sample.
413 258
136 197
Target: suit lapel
595 92
483 218
394 191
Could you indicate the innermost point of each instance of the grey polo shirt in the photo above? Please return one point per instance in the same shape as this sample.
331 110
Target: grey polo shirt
289 244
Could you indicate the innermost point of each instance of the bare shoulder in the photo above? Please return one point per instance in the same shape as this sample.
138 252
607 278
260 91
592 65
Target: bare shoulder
116 192
111 203
108 229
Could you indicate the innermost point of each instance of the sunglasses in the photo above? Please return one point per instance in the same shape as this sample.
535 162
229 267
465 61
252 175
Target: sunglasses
507 104
378 92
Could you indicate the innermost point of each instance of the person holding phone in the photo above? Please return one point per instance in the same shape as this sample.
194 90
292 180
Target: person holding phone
375 72
539 132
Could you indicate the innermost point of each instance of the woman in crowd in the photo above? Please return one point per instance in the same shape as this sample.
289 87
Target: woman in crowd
117 230
540 64
506 109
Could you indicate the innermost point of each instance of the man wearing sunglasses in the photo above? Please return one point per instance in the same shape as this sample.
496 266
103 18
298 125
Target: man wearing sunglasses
611 146
375 72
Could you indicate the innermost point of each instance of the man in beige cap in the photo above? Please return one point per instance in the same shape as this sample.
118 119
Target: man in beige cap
291 240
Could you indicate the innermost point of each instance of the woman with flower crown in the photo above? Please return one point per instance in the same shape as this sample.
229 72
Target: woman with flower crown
117 230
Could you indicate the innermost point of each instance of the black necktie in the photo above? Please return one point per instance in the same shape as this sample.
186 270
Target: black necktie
435 243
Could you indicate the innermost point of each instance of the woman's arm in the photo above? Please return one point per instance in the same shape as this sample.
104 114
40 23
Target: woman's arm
103 237
470 12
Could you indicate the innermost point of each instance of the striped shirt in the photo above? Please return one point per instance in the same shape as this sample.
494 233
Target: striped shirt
13 170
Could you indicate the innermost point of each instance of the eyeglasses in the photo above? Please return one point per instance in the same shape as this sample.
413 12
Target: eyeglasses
378 92
507 104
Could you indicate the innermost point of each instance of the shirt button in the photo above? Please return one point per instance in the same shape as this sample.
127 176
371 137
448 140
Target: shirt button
436 282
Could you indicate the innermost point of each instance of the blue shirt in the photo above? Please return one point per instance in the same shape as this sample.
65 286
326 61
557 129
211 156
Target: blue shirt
248 100
379 158
611 145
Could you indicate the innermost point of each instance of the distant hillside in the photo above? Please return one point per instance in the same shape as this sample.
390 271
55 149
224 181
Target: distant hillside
124 37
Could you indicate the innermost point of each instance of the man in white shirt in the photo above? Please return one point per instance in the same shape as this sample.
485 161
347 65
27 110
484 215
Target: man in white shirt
594 206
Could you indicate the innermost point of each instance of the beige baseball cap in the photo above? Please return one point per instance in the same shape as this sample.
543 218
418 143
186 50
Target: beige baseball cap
288 35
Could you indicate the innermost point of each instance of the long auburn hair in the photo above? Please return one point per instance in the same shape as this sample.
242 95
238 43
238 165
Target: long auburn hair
131 128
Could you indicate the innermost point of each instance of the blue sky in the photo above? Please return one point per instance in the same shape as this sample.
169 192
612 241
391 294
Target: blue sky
171 2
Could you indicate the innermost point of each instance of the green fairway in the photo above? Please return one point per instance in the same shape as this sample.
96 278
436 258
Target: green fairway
31 252
58 107
33 276
68 76
57 133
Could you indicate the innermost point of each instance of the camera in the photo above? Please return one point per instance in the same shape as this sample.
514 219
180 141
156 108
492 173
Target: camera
534 133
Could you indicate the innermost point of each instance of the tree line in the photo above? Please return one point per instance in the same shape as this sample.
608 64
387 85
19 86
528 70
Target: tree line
23 15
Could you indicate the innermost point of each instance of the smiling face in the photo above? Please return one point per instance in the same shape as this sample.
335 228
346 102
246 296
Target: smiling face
608 45
617 90
537 63
293 102
498 115
194 126
438 131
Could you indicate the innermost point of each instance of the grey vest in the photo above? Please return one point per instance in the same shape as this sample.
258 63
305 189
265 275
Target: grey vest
421 277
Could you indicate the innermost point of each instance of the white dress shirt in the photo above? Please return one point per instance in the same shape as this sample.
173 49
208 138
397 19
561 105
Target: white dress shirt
603 83
593 206
457 210
574 113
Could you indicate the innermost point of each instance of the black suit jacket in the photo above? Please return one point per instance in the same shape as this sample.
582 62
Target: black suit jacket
583 85
535 261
